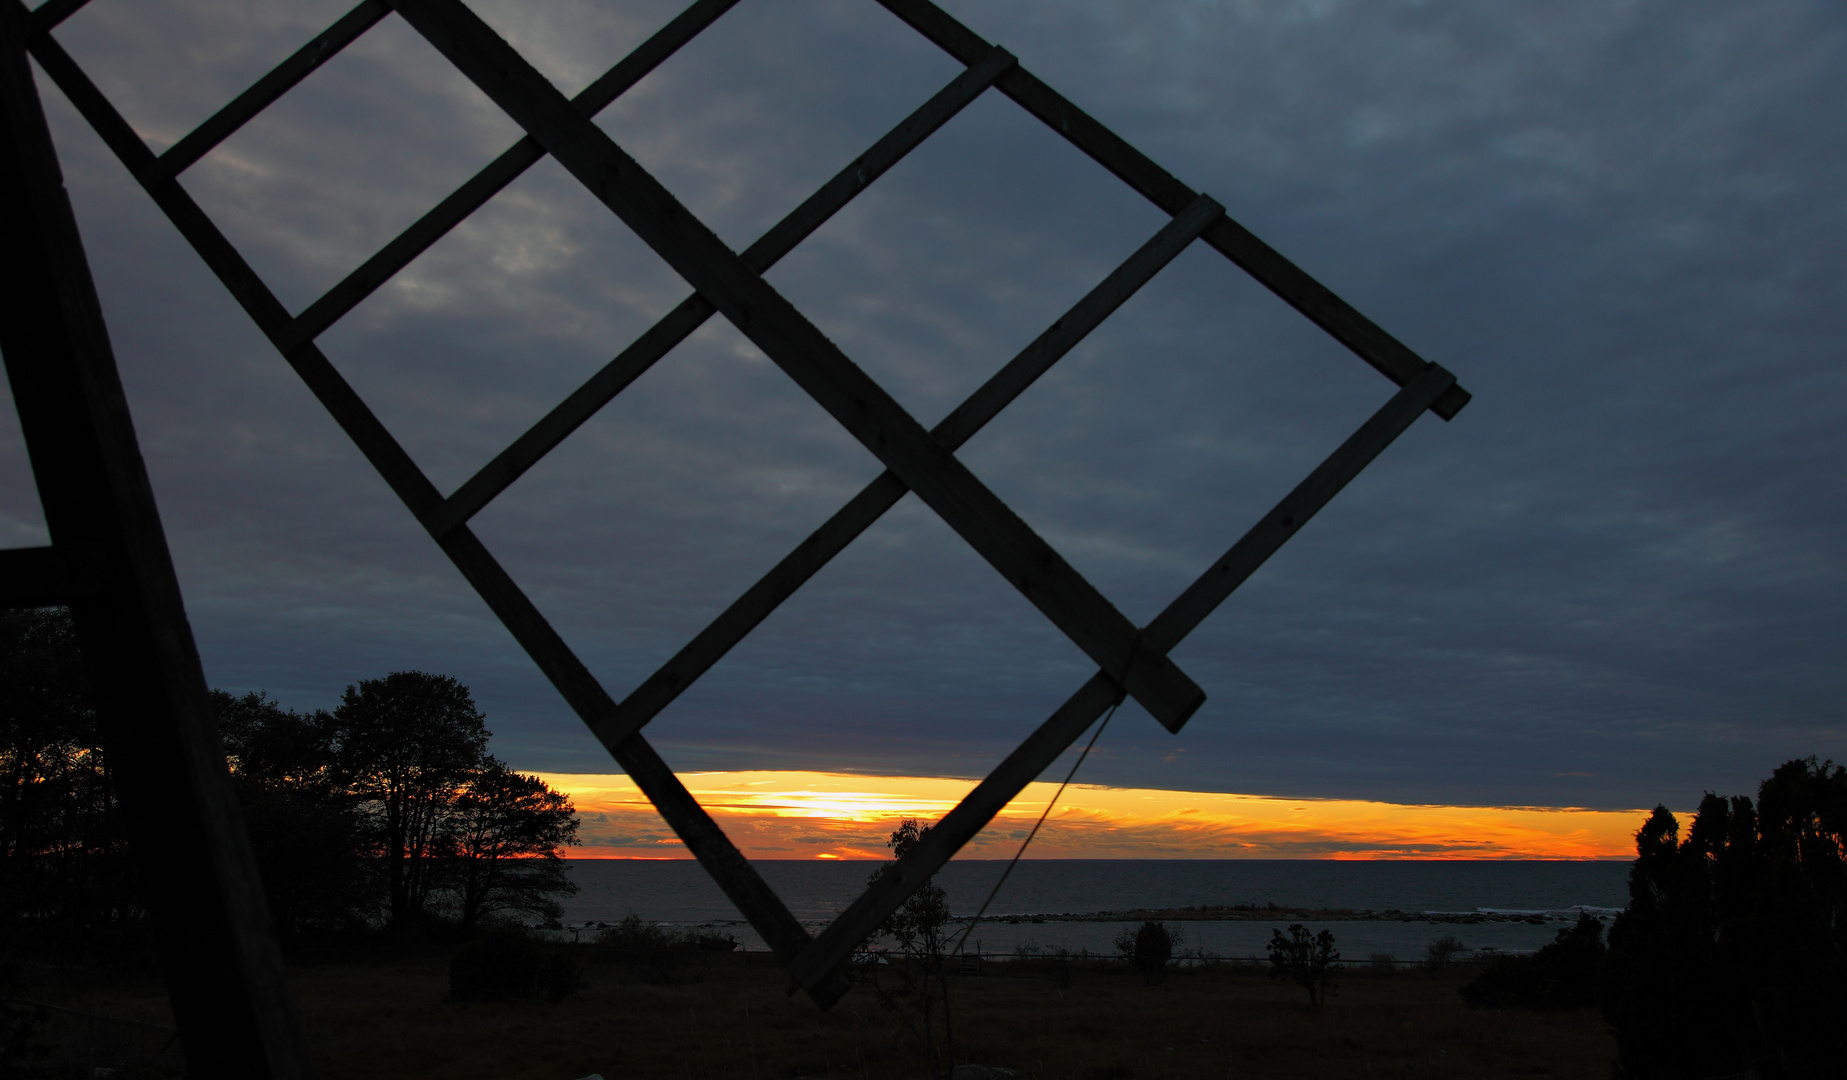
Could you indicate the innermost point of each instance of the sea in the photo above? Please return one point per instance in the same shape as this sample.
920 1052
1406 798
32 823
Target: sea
1046 904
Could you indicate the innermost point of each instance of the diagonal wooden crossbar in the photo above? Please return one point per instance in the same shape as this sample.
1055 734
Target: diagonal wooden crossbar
816 364
1131 661
677 325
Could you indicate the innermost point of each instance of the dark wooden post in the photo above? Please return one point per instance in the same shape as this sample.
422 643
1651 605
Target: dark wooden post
109 562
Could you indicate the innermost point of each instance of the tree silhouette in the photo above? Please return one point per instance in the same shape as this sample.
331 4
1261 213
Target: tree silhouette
506 829
1148 948
916 967
63 854
304 825
405 743
1309 962
389 806
1729 955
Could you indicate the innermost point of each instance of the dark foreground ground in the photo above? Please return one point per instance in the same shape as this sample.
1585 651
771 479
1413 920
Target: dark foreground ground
728 1016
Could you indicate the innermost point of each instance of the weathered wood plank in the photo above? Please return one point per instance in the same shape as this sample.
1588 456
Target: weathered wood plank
820 961
280 80
43 577
749 610
1289 282
1302 503
691 313
484 185
818 366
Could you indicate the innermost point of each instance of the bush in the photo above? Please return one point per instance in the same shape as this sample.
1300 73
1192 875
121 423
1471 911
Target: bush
656 953
1309 962
1563 975
508 965
1148 949
1442 952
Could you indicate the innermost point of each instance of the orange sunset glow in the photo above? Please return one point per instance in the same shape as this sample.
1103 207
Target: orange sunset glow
808 815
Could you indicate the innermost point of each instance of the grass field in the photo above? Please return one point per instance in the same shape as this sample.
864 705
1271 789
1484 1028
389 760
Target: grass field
729 1016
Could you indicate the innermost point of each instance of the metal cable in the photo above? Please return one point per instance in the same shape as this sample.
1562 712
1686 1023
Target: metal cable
992 893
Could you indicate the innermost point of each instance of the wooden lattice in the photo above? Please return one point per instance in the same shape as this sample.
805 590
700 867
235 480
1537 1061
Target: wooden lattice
1131 661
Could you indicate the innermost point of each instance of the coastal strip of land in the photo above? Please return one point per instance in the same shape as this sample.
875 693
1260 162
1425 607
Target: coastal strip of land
1274 912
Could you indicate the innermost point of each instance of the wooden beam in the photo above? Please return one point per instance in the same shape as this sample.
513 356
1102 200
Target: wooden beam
1296 509
266 90
484 185
191 854
48 15
749 610
818 964
690 314
818 366
43 577
1296 288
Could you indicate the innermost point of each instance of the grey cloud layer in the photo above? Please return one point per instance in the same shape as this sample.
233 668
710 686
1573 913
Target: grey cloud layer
1614 579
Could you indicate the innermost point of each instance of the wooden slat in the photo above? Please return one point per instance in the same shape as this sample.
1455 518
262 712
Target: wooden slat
1192 221
264 92
484 185
793 343
819 963
749 610
691 313
1282 277
489 579
42 577
48 15
1306 500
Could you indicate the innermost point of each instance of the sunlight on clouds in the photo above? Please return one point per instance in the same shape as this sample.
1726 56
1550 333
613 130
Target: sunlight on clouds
784 815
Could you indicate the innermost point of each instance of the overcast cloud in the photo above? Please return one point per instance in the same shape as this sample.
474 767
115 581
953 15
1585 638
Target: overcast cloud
1615 578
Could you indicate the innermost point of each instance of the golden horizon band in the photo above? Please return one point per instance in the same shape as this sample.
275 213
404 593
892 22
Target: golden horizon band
817 815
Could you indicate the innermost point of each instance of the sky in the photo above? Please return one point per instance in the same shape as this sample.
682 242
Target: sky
1614 580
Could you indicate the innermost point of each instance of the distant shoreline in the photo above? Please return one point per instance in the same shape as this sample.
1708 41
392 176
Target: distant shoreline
1272 912
1249 913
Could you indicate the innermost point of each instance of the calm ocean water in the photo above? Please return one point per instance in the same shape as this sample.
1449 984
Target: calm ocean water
679 892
